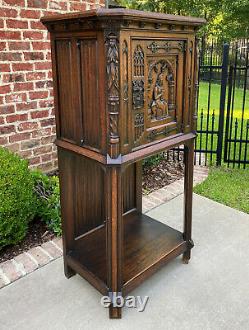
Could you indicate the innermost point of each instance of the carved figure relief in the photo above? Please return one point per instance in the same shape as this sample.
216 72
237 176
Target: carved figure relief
159 106
161 89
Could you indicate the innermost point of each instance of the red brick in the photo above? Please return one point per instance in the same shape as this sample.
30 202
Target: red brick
35 76
39 114
19 45
52 250
43 66
44 84
30 13
42 150
15 118
39 45
48 56
28 126
48 139
13 77
41 132
6 56
4 68
7 129
3 46
30 144
14 2
5 89
3 141
26 262
6 109
10 271
48 122
14 147
26 106
23 87
33 35
57 5
38 4
16 24
13 35
22 67
34 161
25 154
38 95
15 98
19 137
2 121
46 158
33 56
77 6
46 103
6 12
58 242
36 25
50 75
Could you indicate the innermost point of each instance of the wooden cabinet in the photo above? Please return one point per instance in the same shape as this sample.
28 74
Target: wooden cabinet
124 84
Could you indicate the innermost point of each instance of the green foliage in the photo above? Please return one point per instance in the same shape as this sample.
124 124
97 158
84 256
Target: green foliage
226 19
227 186
17 198
153 160
48 196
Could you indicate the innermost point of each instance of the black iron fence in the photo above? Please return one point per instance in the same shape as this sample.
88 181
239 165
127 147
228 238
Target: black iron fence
223 104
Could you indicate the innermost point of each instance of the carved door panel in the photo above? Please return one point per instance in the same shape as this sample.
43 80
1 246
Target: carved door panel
157 88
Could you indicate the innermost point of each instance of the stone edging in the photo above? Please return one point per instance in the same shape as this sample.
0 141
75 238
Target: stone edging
37 257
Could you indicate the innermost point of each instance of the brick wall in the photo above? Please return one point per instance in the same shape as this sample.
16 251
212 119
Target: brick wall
27 123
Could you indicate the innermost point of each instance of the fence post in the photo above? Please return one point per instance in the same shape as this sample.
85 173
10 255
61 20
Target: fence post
225 60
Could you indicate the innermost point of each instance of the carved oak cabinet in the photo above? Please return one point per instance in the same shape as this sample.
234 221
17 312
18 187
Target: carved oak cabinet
124 83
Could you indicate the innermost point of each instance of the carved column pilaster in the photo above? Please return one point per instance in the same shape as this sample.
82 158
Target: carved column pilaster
113 90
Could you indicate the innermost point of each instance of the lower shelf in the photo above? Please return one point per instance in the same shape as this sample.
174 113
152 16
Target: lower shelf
148 244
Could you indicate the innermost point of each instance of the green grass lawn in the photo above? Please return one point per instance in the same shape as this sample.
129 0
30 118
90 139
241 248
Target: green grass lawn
227 186
215 100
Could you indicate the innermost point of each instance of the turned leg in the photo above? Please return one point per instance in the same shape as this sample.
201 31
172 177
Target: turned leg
114 236
188 197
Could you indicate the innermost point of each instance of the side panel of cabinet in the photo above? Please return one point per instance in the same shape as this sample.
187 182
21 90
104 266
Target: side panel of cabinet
69 119
79 77
82 191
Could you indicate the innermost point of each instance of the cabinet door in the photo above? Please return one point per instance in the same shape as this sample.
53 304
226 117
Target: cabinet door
158 80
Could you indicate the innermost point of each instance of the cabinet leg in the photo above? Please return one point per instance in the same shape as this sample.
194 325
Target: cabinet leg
68 271
115 312
188 197
114 236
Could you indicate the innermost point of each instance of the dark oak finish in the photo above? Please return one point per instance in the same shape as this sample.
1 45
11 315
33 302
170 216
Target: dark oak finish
124 85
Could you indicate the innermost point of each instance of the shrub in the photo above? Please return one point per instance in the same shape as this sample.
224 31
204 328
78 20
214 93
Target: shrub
48 200
17 198
153 160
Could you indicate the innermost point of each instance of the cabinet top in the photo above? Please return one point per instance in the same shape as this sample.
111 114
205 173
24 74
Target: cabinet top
124 14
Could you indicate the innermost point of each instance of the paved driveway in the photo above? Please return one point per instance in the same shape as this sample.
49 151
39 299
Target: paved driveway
212 292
